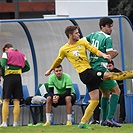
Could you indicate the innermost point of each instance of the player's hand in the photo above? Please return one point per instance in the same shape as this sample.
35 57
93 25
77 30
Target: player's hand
108 57
47 73
55 99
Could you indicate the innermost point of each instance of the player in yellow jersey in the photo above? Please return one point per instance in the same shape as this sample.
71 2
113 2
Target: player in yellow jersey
75 51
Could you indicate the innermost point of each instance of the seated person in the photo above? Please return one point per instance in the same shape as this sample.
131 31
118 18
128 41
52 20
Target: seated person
65 94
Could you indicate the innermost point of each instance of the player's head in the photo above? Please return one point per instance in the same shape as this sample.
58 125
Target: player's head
106 25
7 46
105 21
58 71
110 65
72 32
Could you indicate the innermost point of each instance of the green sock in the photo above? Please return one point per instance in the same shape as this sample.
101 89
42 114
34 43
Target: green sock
112 105
104 107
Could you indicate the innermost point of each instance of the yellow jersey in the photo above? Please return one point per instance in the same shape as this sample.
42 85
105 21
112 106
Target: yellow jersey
76 55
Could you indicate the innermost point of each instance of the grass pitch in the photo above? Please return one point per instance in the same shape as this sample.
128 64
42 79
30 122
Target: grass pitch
126 128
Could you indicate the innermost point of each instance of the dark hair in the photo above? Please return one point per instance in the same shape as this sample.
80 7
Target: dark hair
105 21
111 62
59 66
7 45
70 30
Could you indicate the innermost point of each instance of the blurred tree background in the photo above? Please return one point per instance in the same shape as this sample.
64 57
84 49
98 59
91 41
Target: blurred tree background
121 7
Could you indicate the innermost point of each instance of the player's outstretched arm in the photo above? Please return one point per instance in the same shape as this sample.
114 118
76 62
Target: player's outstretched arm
54 65
113 53
47 73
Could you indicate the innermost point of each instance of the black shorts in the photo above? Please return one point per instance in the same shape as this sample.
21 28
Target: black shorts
91 78
12 87
62 101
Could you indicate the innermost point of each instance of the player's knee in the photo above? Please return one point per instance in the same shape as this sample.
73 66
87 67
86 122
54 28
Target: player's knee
68 98
49 99
6 100
106 94
116 90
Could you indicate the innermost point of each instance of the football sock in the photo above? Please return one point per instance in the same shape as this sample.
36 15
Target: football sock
5 111
69 117
89 110
121 75
112 105
16 110
104 107
48 117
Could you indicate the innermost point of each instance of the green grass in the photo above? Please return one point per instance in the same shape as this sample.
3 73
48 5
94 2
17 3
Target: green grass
126 128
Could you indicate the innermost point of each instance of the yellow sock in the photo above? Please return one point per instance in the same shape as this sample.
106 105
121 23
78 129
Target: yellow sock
89 110
121 76
5 110
16 110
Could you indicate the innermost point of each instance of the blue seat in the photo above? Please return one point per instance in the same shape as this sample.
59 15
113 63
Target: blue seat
76 88
25 92
0 95
0 92
86 98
